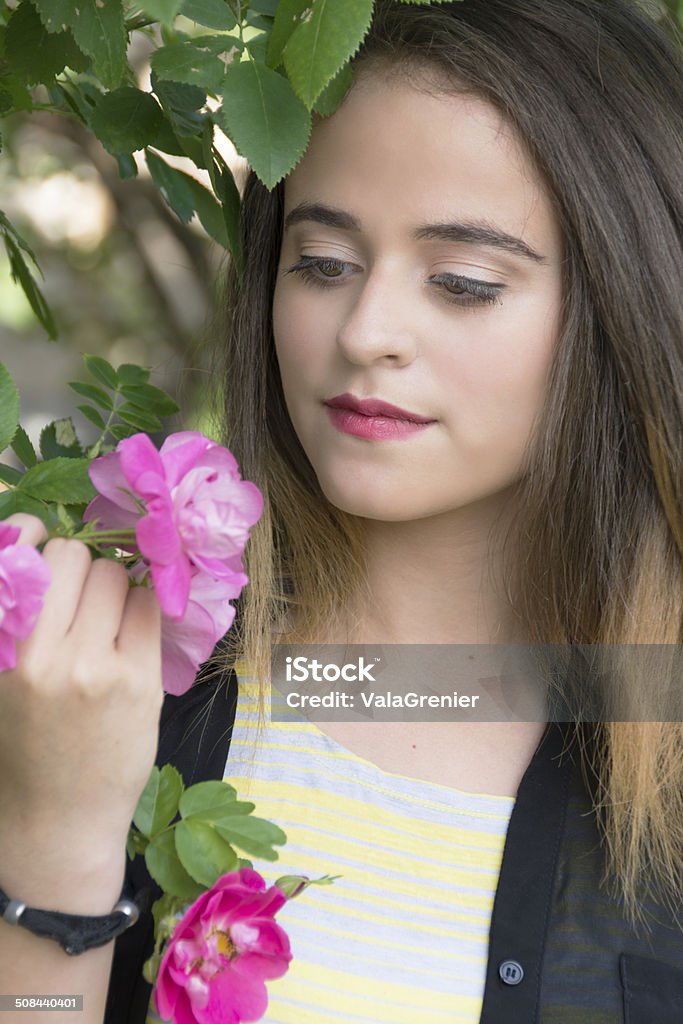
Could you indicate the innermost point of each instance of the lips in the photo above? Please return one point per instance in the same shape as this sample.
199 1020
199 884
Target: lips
374 407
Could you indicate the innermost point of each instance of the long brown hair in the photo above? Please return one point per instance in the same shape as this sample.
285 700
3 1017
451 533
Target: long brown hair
595 93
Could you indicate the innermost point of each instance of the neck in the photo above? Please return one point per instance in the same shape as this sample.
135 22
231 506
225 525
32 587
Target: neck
435 580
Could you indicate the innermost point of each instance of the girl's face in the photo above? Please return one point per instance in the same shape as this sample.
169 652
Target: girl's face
420 266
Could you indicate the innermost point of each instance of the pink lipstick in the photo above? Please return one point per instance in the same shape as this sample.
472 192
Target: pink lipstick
373 419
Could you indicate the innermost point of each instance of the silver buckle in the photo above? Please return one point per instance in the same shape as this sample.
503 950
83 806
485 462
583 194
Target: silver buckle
130 909
13 911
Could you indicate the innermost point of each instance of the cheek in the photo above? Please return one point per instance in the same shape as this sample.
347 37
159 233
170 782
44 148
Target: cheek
297 331
497 377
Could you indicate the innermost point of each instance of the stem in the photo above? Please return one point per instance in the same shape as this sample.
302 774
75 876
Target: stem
88 536
94 450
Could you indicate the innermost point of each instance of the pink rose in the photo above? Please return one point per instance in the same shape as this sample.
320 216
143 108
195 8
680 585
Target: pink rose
188 643
187 503
24 579
221 953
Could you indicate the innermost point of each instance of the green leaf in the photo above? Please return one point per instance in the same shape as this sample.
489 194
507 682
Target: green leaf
254 836
33 54
131 373
173 185
229 196
68 516
207 799
200 61
178 96
9 475
334 92
323 42
158 803
258 46
166 869
59 479
209 212
20 273
287 18
119 431
166 139
9 407
21 97
103 371
17 501
137 418
99 30
59 439
127 166
91 391
126 119
23 448
92 415
211 13
161 10
202 852
130 848
266 121
189 144
146 396
254 20
81 98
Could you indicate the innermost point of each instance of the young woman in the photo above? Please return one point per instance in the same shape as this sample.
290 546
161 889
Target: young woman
486 236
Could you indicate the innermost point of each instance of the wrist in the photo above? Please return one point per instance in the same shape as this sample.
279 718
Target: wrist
75 933
78 879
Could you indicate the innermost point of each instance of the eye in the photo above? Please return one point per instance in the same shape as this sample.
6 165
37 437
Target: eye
323 271
478 291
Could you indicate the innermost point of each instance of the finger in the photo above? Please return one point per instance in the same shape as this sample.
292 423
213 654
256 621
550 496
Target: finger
103 597
33 530
69 562
140 629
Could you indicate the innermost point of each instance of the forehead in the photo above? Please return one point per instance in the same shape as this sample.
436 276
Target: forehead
396 152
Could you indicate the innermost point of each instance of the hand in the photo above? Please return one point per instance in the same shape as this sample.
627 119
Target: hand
79 714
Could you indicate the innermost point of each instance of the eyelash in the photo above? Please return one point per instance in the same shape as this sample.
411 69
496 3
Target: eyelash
479 292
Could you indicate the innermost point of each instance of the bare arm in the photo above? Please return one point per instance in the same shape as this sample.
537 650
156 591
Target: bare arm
33 965
79 718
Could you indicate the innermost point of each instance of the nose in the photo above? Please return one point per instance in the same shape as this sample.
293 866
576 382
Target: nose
377 325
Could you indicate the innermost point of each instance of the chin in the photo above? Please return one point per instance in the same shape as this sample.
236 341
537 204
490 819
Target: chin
382 507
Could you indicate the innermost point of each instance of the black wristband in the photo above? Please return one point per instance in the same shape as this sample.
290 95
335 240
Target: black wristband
74 933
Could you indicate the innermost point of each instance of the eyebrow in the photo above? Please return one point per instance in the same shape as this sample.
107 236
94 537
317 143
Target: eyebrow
477 232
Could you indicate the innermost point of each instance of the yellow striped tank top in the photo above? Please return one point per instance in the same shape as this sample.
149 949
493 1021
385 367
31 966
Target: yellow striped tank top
402 936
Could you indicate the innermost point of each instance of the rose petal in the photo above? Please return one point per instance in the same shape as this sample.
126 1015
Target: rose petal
108 479
158 537
139 456
179 457
172 586
8 534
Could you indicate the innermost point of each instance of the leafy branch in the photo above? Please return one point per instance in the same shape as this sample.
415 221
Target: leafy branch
255 70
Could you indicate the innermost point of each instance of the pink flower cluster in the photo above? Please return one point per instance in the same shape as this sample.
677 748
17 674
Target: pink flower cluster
24 580
222 952
191 513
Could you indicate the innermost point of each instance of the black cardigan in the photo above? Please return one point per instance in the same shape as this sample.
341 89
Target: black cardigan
560 950
194 736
